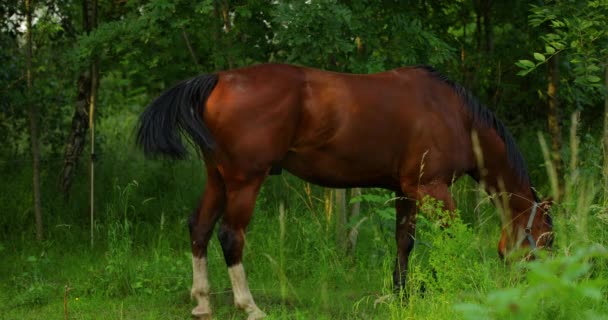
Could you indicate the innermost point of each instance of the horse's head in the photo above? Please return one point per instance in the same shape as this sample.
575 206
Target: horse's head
530 229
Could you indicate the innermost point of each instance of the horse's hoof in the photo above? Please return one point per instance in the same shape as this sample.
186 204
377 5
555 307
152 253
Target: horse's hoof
200 314
256 314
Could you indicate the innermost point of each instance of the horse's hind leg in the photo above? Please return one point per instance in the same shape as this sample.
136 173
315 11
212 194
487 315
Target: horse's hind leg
241 195
201 227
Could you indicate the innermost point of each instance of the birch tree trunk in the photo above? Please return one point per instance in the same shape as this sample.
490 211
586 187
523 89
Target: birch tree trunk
80 119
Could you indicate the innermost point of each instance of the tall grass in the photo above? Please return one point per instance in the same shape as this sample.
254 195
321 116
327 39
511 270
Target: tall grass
140 266
570 282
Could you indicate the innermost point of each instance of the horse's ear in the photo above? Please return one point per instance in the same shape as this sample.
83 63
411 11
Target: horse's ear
546 204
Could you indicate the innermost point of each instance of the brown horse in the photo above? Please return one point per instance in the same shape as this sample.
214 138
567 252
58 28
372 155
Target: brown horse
409 130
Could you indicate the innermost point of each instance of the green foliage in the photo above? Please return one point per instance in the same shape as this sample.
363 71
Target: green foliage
563 287
33 285
361 37
322 28
453 247
140 264
51 72
142 257
574 30
143 46
122 276
118 277
380 203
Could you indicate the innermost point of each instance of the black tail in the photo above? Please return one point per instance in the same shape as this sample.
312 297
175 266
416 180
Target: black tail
177 110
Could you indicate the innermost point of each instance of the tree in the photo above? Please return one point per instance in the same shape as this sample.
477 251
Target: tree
33 115
575 32
554 121
605 133
87 84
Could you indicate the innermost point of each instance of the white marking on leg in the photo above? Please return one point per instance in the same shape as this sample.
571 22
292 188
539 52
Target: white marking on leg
200 288
242 295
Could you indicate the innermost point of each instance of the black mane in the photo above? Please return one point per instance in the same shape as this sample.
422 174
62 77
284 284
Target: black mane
483 117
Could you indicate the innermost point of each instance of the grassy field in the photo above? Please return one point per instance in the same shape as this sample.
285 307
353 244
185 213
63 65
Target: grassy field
140 264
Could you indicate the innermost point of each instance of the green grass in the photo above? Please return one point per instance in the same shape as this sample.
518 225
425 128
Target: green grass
140 265
140 268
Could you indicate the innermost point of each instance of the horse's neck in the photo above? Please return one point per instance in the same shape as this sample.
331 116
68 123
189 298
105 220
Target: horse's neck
518 196
499 177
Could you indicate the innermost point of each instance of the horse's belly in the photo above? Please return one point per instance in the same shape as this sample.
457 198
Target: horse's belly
328 170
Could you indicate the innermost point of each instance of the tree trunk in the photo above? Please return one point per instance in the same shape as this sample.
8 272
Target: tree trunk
80 124
328 203
605 135
190 49
353 233
80 120
228 28
341 236
92 105
478 29
33 115
554 121
462 49
216 37
484 34
486 9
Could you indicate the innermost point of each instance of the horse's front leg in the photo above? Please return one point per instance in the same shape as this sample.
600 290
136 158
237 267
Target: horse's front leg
241 196
406 222
201 227
404 236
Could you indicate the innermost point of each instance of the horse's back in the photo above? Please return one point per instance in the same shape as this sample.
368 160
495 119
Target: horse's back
381 127
335 129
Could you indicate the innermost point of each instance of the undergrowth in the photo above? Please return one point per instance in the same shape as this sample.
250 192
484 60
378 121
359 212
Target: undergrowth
140 265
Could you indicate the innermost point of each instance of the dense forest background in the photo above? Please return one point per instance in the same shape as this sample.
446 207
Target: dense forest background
75 75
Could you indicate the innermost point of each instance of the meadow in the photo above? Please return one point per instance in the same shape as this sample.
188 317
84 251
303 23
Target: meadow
139 266
66 65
